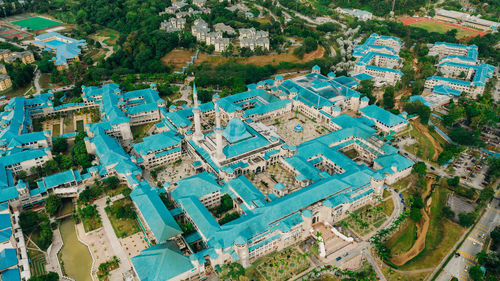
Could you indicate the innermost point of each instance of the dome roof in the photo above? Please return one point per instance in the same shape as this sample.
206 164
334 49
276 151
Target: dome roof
235 131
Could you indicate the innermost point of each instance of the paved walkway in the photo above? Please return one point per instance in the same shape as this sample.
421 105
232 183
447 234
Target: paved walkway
51 256
113 239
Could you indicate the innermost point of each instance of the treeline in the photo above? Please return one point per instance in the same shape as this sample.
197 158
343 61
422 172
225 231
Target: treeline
14 7
236 76
382 8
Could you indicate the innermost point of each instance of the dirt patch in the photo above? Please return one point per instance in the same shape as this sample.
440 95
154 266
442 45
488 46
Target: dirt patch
179 57
422 228
437 147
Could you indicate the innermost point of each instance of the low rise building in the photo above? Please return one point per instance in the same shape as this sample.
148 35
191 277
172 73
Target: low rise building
359 14
466 19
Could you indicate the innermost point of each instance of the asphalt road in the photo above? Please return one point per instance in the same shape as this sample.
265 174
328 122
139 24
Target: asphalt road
459 265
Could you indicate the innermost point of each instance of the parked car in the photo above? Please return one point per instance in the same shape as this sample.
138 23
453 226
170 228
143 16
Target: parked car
338 258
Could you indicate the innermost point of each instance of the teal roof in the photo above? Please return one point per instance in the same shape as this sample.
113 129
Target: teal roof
398 160
204 221
59 179
158 218
161 262
157 142
382 115
8 258
11 275
236 131
247 191
198 185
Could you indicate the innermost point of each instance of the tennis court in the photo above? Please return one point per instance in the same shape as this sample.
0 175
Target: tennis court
36 23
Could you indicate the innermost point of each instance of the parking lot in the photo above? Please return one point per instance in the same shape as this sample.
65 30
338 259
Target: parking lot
471 170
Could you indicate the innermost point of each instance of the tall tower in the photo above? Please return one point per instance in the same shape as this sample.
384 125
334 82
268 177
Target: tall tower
218 135
198 135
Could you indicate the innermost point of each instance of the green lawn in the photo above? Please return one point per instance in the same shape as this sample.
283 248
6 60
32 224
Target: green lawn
79 125
123 227
278 266
441 28
371 215
36 23
423 147
56 130
441 237
139 131
37 262
403 239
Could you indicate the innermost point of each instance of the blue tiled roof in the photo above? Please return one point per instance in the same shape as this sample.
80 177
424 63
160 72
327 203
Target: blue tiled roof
382 115
157 142
247 191
158 218
445 90
161 262
8 258
198 185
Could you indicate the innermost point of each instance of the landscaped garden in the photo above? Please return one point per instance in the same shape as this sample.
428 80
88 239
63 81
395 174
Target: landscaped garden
89 216
123 218
139 131
279 266
368 218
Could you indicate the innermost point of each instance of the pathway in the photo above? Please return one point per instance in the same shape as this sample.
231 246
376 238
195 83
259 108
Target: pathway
36 80
185 91
125 265
51 257
395 214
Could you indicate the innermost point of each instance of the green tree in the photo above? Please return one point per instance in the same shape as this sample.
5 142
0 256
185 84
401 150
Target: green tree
51 276
476 273
448 212
310 44
60 145
28 221
415 214
388 98
466 219
112 182
453 181
420 168
52 204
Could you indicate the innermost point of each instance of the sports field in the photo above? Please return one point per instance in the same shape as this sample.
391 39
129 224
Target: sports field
442 27
36 23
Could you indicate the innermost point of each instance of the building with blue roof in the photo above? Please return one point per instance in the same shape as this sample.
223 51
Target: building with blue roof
384 120
461 70
378 59
159 149
65 48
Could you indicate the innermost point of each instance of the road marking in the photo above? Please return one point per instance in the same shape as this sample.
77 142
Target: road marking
482 227
475 241
467 256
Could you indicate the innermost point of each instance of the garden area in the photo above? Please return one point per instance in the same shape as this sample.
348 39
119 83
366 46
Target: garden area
139 131
368 218
89 216
278 266
423 147
105 268
37 260
123 218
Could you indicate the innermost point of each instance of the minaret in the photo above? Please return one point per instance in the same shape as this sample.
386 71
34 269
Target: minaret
198 135
218 135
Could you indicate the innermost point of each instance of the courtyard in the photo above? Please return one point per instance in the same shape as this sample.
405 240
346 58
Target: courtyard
176 171
368 218
279 266
266 180
286 123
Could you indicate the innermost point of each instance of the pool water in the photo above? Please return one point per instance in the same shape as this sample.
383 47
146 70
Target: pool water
75 255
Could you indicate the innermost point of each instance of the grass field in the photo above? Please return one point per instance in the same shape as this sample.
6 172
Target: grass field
179 57
403 239
36 23
37 262
111 35
56 130
423 147
123 227
441 28
140 131
441 237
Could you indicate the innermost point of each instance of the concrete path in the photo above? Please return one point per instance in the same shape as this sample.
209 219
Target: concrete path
36 81
51 256
125 264
185 91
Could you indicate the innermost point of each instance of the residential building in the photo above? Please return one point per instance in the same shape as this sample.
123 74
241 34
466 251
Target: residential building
359 14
